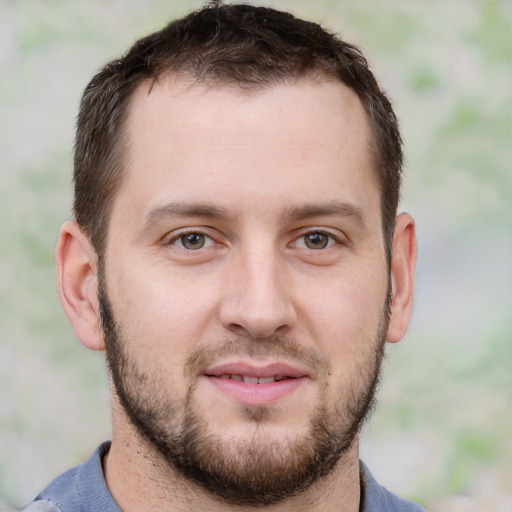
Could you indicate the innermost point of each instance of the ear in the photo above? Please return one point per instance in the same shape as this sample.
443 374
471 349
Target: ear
403 264
77 284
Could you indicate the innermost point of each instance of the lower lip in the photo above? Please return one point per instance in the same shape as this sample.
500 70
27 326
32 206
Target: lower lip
257 394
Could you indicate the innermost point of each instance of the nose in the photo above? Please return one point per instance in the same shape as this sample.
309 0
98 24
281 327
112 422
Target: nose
257 300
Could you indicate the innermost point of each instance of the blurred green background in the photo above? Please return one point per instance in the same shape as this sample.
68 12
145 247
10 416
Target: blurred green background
442 431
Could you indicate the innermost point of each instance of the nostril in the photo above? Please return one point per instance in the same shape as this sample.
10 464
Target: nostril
238 330
258 328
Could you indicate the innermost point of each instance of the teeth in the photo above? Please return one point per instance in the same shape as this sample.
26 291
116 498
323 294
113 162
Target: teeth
266 380
252 380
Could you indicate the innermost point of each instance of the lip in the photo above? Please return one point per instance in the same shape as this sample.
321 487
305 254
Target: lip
260 394
254 370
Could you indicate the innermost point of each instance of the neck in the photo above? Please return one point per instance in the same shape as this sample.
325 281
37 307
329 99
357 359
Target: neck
139 480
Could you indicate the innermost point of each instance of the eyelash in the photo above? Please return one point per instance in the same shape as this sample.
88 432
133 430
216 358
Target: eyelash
209 241
332 240
183 234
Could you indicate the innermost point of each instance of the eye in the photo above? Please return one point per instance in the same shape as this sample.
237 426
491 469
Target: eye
193 241
315 240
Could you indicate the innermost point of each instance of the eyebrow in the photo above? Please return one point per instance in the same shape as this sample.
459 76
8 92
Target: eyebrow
183 210
333 208
293 214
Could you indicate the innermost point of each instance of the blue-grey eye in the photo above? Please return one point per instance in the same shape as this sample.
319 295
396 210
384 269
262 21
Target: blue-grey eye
316 240
192 241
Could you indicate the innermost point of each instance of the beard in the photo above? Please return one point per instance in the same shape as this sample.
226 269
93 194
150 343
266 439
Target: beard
257 470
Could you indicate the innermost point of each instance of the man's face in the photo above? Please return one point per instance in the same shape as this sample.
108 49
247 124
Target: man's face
245 282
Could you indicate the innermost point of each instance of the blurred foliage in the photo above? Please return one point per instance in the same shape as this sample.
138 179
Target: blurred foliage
446 391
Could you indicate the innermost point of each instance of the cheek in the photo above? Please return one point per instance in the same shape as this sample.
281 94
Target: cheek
344 315
162 317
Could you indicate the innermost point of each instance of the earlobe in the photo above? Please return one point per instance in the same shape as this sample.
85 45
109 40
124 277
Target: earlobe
403 265
77 284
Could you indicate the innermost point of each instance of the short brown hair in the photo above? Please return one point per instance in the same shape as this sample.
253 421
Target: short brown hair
241 45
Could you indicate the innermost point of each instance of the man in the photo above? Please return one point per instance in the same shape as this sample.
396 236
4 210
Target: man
237 254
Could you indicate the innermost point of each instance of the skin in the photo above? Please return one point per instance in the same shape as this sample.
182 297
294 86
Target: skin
273 166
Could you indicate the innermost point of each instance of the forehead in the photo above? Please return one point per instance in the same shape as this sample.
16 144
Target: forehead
209 108
197 140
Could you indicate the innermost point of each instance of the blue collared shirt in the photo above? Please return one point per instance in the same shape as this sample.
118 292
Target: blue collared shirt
83 489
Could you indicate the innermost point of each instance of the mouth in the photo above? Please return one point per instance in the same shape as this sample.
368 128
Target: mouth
248 379
256 385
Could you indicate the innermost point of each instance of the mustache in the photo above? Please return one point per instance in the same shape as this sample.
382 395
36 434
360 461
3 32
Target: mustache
274 347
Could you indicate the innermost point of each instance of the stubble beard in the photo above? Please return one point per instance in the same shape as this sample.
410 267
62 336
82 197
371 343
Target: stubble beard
256 471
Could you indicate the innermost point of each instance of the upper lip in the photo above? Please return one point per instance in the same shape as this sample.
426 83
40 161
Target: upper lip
253 370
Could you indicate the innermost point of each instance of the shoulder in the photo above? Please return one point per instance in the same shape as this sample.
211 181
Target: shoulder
41 506
80 489
61 495
379 499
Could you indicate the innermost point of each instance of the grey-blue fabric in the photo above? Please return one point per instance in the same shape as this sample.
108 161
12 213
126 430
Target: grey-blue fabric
83 489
